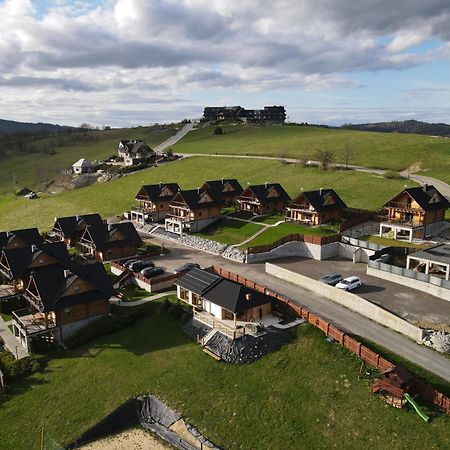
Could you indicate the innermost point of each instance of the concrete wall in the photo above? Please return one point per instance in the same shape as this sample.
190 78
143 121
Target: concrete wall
349 300
432 289
70 329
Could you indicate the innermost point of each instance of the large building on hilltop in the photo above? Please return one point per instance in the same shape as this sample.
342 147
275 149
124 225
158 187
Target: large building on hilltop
270 114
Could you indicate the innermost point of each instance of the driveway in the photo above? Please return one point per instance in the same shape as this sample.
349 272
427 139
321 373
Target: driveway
335 314
412 305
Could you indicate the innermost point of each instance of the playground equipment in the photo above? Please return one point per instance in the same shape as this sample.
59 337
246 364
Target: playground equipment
416 407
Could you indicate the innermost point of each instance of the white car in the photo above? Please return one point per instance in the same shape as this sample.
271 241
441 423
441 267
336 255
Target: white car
349 283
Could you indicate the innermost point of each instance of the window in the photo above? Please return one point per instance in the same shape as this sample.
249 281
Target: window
67 311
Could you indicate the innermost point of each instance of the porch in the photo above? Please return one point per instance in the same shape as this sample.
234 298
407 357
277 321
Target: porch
399 230
301 215
28 325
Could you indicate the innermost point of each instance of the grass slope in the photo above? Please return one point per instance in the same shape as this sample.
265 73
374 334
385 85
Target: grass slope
306 395
358 189
382 150
28 166
230 231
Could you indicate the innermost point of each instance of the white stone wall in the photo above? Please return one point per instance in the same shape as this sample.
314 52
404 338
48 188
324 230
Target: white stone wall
349 300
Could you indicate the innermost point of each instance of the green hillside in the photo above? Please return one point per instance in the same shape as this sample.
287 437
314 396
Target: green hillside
381 150
31 169
360 190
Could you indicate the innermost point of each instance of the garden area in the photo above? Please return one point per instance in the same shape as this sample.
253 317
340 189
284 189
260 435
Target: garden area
309 394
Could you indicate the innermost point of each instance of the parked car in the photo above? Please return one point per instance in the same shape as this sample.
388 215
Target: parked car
348 284
150 272
136 266
128 262
332 278
186 267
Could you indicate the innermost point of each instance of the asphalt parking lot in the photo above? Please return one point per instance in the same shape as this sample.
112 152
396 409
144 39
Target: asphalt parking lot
410 304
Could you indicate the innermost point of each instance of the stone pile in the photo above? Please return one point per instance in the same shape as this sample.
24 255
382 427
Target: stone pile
439 340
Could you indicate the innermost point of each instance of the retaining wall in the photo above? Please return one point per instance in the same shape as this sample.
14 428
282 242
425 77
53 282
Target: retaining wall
349 300
429 288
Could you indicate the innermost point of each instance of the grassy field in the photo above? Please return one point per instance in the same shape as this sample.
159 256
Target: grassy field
30 168
306 395
392 151
230 231
359 190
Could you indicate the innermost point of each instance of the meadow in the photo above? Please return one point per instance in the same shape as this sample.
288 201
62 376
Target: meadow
31 169
309 394
358 189
391 151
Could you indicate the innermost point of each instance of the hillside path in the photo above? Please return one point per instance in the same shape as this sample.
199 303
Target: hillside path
175 138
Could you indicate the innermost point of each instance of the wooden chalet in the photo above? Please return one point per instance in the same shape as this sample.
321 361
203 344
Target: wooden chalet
227 189
193 210
16 264
107 242
70 229
61 302
268 198
222 304
20 238
315 207
414 213
154 202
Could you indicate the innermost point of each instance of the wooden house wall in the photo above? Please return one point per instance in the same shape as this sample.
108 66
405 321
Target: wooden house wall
83 311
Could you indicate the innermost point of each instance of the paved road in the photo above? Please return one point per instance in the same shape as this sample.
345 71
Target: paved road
175 138
337 315
442 187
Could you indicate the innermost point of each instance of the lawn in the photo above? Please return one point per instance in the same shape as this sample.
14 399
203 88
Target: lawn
306 395
270 220
358 189
6 317
132 293
392 151
30 168
284 229
391 242
230 231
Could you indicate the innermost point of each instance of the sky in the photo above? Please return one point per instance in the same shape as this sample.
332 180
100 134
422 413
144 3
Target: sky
137 62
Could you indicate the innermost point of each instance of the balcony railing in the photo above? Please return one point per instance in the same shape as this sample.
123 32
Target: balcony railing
179 218
32 323
219 325
405 222
402 205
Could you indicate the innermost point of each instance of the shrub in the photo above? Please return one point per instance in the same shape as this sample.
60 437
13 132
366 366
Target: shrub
17 368
218 130
391 175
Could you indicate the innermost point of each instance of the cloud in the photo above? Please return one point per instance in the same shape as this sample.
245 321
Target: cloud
161 48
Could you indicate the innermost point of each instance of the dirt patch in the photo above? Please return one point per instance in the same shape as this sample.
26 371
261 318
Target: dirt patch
132 439
415 167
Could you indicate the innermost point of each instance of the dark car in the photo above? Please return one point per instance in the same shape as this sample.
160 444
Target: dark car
186 267
332 278
150 272
128 262
136 266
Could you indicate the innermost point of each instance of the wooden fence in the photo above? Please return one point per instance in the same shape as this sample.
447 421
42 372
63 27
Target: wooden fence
310 239
426 392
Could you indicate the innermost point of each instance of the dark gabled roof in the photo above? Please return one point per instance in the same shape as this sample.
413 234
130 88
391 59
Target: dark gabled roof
71 224
318 200
53 282
29 235
20 259
427 196
219 185
439 253
153 191
193 198
197 280
235 297
261 191
133 146
100 235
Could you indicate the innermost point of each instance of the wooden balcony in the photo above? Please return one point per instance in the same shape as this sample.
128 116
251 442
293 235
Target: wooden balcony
402 206
32 323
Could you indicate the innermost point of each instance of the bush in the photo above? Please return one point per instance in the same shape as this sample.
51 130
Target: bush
218 130
17 368
391 175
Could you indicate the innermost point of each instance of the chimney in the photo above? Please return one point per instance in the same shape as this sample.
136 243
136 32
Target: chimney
266 184
248 297
424 187
199 189
67 273
320 191
110 227
223 180
34 248
77 218
8 234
